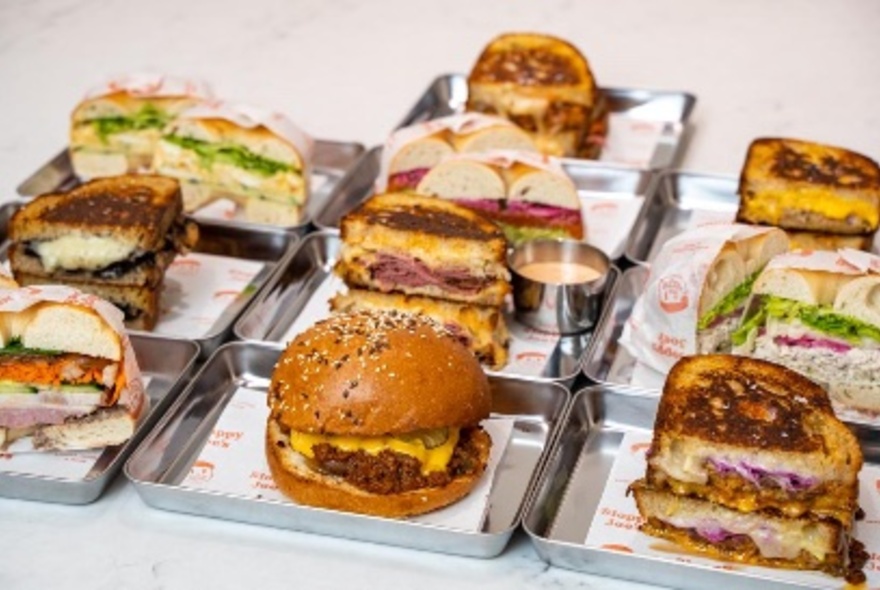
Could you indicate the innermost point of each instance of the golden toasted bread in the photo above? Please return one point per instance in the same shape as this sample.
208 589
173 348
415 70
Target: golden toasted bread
544 85
807 240
801 185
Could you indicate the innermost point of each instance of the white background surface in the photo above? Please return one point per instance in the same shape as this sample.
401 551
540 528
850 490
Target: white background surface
350 70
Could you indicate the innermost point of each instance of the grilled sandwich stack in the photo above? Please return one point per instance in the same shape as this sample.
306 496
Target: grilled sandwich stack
428 256
749 463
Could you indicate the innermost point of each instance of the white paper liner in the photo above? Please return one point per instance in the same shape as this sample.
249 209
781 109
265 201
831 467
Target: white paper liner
198 288
632 141
233 461
616 521
608 221
464 123
147 84
249 117
528 353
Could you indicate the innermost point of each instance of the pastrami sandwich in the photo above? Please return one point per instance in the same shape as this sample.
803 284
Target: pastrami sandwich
528 196
114 130
818 313
748 463
377 413
412 151
68 376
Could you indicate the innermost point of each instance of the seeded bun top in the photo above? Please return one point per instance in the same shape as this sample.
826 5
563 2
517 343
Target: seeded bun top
377 373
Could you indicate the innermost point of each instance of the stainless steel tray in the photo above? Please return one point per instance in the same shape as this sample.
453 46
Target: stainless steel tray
274 311
590 178
272 246
163 459
562 508
448 94
167 364
331 160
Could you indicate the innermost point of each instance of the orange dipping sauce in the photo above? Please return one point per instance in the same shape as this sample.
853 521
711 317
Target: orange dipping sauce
559 273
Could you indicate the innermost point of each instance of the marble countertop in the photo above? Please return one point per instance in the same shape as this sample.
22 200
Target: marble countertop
349 70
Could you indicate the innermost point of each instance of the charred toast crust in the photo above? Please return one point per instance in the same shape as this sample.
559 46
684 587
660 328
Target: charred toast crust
846 170
724 399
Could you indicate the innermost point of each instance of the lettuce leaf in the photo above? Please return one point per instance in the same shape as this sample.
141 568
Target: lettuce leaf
237 155
729 302
148 117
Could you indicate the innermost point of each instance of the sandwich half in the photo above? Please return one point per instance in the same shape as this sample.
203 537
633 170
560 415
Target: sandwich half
111 237
748 463
414 245
68 377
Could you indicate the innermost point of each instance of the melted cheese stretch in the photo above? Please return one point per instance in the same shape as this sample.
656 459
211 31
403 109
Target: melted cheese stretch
772 203
79 252
434 459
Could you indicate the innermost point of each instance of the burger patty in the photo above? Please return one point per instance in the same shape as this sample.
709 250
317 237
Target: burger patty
390 472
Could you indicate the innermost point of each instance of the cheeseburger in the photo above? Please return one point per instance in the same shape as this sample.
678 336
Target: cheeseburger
377 413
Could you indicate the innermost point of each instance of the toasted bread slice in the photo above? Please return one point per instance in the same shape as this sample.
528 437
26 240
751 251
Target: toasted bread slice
801 185
544 85
808 240
753 435
482 329
416 245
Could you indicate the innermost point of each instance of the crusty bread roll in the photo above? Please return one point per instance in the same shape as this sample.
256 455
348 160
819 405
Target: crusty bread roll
541 187
463 179
860 298
54 326
727 271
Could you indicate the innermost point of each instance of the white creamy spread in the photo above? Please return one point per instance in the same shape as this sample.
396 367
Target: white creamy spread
77 252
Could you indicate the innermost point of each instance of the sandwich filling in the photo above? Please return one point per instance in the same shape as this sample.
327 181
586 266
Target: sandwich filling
391 271
406 180
148 117
395 464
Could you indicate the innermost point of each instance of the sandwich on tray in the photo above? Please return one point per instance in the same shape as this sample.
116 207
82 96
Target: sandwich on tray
68 374
377 413
529 196
114 130
256 158
748 463
697 291
112 237
827 196
545 86
818 313
412 151
428 256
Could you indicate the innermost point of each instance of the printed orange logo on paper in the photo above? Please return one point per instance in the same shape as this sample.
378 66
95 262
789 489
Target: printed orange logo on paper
186 265
202 471
617 547
532 357
673 294
607 206
639 447
225 293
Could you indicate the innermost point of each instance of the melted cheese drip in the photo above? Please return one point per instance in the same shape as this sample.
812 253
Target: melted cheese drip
772 203
432 460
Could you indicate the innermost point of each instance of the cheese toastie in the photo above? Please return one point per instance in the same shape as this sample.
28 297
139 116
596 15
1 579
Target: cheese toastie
801 185
748 463
404 243
544 85
112 237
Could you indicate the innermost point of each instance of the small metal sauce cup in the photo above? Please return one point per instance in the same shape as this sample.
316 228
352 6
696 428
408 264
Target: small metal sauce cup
559 308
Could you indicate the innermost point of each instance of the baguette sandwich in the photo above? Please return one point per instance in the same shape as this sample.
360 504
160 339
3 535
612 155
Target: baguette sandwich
257 159
748 463
412 151
111 237
68 376
819 315
415 245
544 85
114 130
528 197
801 185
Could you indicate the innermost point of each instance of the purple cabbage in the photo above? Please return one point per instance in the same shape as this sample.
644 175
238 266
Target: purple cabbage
787 480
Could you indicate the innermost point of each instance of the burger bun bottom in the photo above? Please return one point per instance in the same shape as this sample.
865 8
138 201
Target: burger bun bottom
306 486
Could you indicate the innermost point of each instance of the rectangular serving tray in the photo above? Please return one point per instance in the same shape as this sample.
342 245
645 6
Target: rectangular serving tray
271 246
590 178
330 161
164 458
447 95
166 364
274 311
568 493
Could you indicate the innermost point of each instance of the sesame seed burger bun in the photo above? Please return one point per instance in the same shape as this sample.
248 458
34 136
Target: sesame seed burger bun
372 374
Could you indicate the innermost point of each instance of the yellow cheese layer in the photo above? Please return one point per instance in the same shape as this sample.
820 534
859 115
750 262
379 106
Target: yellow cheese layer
434 459
771 204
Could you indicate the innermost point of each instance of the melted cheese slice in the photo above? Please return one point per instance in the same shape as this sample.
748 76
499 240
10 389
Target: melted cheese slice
772 203
78 252
432 460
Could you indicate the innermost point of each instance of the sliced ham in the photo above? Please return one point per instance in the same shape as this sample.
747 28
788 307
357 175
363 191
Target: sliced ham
395 271
35 413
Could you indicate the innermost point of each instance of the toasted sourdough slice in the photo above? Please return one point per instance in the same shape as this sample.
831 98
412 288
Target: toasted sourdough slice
758 538
482 329
117 133
752 435
803 185
397 242
544 85
139 304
